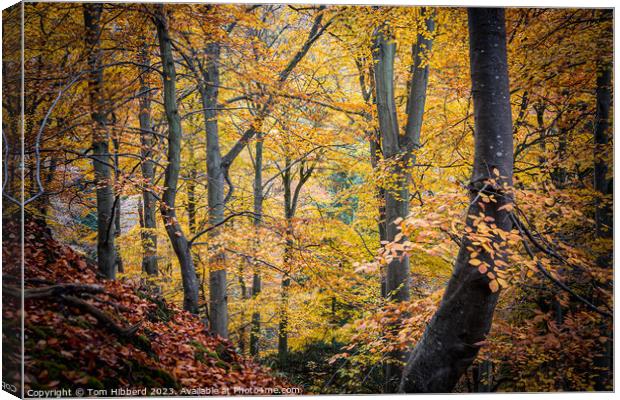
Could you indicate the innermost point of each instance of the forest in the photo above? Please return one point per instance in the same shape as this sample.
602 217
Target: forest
237 199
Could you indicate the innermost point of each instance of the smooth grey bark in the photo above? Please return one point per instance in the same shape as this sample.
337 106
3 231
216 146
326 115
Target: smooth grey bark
396 200
106 251
452 339
209 88
398 151
395 279
171 177
149 235
419 81
374 143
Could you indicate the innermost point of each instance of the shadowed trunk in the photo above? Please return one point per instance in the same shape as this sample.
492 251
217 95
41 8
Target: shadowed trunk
289 212
604 204
255 329
452 339
149 235
258 216
173 229
106 252
117 207
602 185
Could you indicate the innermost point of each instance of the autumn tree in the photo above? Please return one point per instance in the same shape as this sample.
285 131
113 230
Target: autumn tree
454 335
399 149
167 207
102 162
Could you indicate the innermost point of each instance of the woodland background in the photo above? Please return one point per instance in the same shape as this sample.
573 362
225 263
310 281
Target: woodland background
299 178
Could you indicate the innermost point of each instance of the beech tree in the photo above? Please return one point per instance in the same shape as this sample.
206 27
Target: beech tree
399 151
455 334
147 140
175 133
102 162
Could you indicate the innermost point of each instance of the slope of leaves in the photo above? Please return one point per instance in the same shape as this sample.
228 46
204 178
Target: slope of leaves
67 347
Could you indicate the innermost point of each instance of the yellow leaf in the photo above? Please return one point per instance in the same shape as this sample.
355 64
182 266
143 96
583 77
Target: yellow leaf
475 262
494 286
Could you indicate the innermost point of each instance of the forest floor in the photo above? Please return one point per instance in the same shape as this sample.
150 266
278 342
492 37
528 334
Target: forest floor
85 332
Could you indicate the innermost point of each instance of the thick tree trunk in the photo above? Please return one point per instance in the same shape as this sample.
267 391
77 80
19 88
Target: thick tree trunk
452 339
209 89
396 200
149 235
173 229
106 252
395 278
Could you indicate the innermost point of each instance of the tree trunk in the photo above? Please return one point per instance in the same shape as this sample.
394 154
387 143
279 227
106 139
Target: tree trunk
255 329
398 151
286 282
604 211
283 324
173 229
106 252
603 214
149 234
191 199
117 209
291 199
452 339
395 285
396 200
258 216
209 89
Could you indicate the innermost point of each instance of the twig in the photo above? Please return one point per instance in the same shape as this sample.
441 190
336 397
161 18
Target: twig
548 275
102 317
